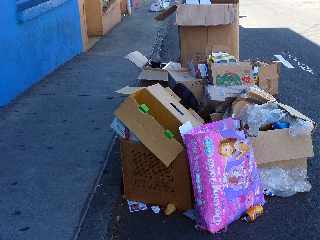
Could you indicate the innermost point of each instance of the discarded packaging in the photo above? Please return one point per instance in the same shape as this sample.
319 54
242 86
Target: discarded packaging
136 206
285 181
155 209
170 209
253 213
224 175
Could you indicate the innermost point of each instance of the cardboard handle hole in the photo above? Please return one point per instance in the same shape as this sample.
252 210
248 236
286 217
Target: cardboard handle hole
176 108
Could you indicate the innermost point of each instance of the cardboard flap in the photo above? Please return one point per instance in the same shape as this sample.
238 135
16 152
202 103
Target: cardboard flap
206 15
166 13
278 145
173 106
127 90
149 131
181 76
260 95
153 74
137 58
295 113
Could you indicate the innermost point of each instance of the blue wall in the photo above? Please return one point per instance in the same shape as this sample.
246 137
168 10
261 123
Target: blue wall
32 49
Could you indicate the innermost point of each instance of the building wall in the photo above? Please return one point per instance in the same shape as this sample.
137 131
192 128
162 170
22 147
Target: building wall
32 49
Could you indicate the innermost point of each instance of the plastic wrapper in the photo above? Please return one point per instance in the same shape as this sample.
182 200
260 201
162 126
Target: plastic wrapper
122 131
299 127
284 182
257 116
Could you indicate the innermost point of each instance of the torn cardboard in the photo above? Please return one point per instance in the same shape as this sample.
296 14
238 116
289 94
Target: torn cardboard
165 114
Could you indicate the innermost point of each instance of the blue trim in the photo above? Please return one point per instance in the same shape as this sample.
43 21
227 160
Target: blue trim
26 12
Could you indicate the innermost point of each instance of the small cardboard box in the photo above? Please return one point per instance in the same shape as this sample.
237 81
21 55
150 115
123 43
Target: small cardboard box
215 26
148 76
196 86
232 74
165 114
268 77
146 179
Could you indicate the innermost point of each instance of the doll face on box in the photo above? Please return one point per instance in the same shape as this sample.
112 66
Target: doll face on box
227 147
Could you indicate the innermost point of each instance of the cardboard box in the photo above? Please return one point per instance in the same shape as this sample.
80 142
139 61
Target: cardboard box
215 26
268 77
232 74
196 86
100 20
146 179
148 76
165 114
277 145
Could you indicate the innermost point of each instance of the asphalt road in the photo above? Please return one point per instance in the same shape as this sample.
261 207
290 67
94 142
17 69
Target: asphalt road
268 27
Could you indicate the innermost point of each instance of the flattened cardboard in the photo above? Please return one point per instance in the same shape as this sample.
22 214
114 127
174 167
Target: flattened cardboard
137 58
268 76
148 181
166 113
278 145
206 15
232 74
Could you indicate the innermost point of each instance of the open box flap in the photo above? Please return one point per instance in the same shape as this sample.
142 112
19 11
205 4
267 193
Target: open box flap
153 74
295 113
137 58
148 131
127 90
206 15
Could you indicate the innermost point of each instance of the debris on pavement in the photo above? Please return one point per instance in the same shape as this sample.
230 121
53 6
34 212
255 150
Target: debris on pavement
155 209
135 206
208 133
170 209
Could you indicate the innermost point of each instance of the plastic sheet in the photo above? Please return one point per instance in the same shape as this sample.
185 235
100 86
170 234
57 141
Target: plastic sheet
284 182
257 116
299 127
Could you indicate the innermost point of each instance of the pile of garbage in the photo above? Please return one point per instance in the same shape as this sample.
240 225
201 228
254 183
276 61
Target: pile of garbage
209 138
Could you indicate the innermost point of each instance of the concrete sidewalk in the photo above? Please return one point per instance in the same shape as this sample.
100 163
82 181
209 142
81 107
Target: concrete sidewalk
54 138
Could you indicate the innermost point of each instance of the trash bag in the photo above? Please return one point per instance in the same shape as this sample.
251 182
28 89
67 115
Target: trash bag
224 175
284 182
257 116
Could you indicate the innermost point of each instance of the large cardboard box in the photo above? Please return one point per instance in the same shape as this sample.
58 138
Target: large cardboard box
165 115
207 28
99 20
148 180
